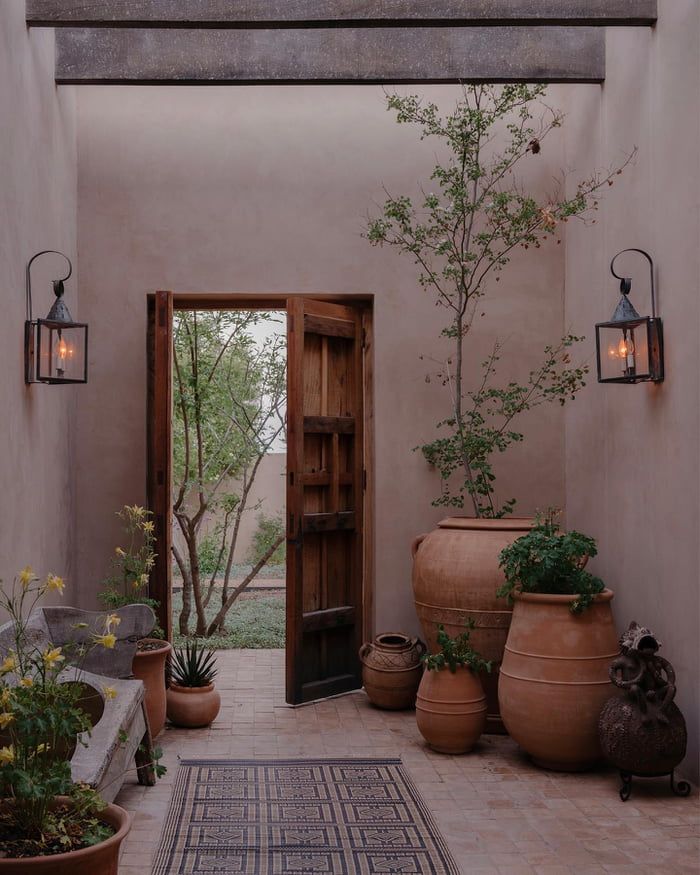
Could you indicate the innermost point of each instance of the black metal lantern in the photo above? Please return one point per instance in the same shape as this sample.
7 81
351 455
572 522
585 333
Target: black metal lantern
55 348
629 347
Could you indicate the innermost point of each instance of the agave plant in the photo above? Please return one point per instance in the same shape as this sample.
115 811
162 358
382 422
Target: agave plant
193 666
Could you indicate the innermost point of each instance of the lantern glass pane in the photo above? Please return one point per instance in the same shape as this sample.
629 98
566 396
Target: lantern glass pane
624 351
61 352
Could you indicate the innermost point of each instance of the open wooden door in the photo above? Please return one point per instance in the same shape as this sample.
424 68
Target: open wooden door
324 499
160 399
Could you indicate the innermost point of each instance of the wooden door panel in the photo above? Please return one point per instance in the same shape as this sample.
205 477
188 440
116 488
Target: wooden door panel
324 499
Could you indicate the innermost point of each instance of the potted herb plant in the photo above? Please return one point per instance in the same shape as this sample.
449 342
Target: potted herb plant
48 824
473 215
554 676
192 697
128 585
450 705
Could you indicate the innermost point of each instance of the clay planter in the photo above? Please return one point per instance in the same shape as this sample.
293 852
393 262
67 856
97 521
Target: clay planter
192 707
554 678
149 666
451 709
392 670
455 578
102 859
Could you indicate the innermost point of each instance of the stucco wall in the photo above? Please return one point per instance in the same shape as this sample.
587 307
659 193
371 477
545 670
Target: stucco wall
633 452
38 204
265 189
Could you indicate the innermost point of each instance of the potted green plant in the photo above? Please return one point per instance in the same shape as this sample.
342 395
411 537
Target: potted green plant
192 697
128 585
48 824
451 705
472 215
554 676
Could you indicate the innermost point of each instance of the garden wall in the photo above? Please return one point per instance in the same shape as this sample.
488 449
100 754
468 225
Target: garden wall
633 452
38 184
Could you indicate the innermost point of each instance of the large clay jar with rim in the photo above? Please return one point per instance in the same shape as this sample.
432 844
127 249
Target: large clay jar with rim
392 670
149 666
554 678
192 707
451 709
100 859
456 575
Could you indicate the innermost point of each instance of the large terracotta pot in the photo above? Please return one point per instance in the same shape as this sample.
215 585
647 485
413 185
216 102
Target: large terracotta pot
554 678
149 666
392 670
192 707
455 578
102 859
451 709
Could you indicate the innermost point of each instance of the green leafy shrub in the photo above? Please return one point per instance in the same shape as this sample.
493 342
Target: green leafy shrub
269 530
455 653
208 553
546 560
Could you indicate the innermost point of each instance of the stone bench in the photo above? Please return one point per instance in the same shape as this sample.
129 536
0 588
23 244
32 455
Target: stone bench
120 739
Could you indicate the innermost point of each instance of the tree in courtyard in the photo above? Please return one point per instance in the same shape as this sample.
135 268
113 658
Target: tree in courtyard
461 234
229 410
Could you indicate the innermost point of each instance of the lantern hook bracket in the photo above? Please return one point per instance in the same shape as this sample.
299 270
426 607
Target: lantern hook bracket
626 282
57 284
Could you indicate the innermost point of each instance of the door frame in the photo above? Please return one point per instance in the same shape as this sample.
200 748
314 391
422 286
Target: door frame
159 340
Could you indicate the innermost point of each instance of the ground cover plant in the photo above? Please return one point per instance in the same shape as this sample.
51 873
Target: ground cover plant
257 621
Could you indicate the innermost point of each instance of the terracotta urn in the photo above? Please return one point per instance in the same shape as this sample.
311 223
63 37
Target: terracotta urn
392 670
554 678
100 859
149 666
192 707
455 577
451 709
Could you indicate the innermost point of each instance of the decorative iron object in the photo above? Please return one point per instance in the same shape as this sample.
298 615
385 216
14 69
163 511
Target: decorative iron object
629 348
55 348
643 733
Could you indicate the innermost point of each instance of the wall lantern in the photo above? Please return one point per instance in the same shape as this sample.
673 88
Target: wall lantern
629 347
55 348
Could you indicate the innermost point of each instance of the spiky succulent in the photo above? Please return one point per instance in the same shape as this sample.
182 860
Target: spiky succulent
193 666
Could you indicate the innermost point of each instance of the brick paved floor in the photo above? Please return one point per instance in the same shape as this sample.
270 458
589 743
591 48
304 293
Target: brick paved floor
499 814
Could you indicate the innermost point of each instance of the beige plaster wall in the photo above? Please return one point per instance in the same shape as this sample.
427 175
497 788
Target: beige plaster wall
38 184
263 189
633 452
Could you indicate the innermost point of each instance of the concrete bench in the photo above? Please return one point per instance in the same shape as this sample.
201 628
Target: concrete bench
120 737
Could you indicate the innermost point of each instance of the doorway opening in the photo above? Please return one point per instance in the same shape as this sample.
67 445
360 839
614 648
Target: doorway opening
260 477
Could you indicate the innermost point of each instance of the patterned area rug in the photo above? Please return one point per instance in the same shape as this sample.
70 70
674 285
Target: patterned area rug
288 817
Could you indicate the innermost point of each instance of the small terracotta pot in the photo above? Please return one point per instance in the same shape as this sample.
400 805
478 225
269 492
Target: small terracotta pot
149 666
192 706
102 859
451 709
554 678
392 670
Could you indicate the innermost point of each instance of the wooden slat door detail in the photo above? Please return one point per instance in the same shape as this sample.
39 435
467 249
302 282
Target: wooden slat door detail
160 369
324 499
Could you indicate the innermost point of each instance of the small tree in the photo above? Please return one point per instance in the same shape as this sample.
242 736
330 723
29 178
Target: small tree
229 404
461 236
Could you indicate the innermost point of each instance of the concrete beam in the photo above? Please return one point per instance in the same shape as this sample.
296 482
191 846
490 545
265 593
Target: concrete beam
326 13
346 55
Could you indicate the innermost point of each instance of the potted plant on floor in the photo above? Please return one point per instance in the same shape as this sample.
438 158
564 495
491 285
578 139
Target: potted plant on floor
192 698
451 705
48 824
554 676
474 213
128 585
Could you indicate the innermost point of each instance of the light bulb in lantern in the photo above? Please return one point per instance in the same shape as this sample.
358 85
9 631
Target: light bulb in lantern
62 353
625 349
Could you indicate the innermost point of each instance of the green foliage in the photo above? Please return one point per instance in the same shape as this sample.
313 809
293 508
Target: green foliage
546 560
209 552
461 234
267 533
455 653
255 621
195 666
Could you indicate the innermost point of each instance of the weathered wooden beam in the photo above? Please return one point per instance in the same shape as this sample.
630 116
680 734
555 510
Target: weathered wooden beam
368 13
347 55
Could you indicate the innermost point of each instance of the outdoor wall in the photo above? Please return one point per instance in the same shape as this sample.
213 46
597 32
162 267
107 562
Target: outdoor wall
633 452
38 184
263 189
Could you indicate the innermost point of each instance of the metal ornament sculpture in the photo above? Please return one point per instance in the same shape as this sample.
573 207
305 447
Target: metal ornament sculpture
643 733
